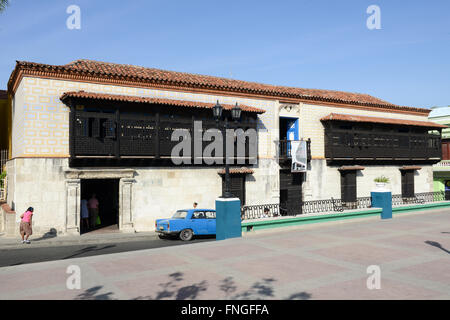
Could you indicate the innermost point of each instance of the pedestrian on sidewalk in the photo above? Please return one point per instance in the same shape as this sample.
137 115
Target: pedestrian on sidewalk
93 210
85 213
195 205
25 225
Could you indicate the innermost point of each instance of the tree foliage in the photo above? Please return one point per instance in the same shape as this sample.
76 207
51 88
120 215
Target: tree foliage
3 4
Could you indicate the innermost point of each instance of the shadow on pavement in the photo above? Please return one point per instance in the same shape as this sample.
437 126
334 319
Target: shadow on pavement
89 249
94 294
260 290
437 245
48 235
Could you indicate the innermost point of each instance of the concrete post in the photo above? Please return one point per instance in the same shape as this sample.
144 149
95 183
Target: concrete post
383 199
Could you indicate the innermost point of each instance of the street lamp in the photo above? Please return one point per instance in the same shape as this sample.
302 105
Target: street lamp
236 115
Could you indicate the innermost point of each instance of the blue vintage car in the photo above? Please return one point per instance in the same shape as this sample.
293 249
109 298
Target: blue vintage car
187 223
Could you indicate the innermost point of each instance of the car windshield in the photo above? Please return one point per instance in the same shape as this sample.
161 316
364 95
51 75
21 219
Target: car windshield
180 214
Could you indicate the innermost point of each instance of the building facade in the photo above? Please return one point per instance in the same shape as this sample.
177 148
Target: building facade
95 127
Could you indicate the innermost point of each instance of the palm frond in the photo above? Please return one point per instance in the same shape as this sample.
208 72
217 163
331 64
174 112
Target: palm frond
3 4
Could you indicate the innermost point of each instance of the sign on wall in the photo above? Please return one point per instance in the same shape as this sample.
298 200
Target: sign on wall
299 156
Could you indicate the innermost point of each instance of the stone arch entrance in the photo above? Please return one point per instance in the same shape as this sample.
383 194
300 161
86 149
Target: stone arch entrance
73 195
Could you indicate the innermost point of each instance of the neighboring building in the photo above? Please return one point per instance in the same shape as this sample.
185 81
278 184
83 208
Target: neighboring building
4 117
4 127
100 127
441 170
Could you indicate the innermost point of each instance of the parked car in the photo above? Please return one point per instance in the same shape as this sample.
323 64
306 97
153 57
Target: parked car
187 223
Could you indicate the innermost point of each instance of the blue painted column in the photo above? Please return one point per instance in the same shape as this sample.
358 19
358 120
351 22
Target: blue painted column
228 218
382 199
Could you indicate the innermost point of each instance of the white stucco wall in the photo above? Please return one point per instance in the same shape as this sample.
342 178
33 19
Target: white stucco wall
156 192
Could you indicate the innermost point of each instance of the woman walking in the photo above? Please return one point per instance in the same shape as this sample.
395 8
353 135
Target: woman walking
25 225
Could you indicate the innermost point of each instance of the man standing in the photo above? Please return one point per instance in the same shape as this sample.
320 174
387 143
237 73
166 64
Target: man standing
93 210
195 205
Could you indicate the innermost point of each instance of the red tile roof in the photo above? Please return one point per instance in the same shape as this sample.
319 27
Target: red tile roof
169 102
352 118
84 70
410 168
349 168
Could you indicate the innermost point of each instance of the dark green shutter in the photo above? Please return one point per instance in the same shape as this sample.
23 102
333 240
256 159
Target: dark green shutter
237 185
408 183
348 186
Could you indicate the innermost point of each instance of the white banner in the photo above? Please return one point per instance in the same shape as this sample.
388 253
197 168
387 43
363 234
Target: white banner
299 156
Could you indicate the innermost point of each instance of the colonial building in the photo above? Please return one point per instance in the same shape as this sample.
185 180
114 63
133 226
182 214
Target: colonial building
94 127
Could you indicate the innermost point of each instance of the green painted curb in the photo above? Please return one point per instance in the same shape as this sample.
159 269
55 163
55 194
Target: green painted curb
287 222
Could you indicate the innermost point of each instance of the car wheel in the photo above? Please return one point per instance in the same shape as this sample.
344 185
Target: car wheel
186 234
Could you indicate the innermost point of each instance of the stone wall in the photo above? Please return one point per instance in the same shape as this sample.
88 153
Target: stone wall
38 183
53 190
146 194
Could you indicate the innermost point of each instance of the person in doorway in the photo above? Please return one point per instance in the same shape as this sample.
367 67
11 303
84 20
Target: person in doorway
195 205
93 210
25 225
84 214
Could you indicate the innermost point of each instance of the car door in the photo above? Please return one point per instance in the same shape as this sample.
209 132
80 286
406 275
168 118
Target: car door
198 222
211 221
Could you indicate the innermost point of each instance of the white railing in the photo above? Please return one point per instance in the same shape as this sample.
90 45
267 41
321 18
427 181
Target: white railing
3 189
3 159
442 163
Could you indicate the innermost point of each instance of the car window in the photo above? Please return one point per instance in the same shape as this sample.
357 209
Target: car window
180 214
198 215
210 214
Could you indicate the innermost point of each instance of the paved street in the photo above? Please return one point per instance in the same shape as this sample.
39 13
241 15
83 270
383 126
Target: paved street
321 261
13 255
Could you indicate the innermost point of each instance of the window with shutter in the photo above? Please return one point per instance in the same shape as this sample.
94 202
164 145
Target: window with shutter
445 150
82 127
348 186
408 183
95 127
109 128
237 183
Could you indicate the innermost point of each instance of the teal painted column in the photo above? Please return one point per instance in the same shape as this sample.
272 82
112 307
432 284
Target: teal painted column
383 200
228 218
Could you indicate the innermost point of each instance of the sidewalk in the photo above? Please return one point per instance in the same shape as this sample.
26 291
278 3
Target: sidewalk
321 262
88 238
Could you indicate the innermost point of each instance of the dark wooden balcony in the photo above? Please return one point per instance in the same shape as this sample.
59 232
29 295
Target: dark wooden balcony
381 145
114 138
284 150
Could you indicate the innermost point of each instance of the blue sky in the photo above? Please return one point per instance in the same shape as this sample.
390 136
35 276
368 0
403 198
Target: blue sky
308 44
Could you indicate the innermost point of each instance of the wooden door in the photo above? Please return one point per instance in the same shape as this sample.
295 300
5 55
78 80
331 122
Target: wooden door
291 192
